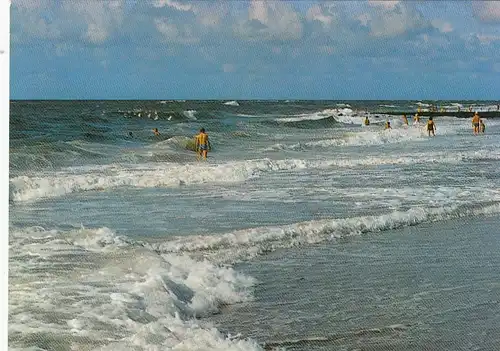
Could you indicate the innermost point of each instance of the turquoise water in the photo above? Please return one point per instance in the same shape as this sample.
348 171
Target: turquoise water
128 242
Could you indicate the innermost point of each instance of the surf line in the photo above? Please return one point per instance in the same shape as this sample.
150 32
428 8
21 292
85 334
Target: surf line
321 340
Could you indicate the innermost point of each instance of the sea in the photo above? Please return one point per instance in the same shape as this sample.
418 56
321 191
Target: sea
303 230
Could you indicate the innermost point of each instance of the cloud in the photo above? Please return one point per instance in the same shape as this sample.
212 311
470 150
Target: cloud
270 20
315 13
386 4
175 4
395 19
101 18
442 26
487 11
176 33
487 39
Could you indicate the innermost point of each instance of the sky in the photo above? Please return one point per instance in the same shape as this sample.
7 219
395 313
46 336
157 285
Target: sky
249 49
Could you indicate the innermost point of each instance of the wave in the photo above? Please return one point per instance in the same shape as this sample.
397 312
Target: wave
232 103
154 300
309 122
322 119
190 114
356 139
247 243
92 178
159 297
369 136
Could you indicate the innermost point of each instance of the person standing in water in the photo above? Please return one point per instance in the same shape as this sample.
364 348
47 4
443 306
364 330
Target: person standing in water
367 121
475 123
416 119
388 125
482 127
431 127
202 144
405 120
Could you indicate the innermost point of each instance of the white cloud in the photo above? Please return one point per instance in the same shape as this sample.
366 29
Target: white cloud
280 21
315 13
442 26
175 33
486 39
210 14
393 21
100 17
174 4
487 11
386 4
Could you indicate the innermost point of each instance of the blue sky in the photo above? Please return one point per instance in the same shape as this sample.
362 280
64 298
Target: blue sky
221 49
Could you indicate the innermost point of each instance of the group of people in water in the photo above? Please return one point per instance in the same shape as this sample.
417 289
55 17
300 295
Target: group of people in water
478 125
203 146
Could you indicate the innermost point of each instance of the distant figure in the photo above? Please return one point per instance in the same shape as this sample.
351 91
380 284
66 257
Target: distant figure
202 144
431 127
405 120
475 123
416 119
156 132
482 127
367 121
130 134
498 107
470 108
388 125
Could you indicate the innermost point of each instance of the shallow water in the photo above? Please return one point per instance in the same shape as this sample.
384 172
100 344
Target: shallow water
429 286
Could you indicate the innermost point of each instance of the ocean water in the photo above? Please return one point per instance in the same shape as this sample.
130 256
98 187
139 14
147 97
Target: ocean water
127 242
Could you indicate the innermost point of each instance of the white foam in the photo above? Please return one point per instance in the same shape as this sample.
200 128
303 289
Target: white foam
377 136
77 179
98 295
254 241
232 103
343 115
190 114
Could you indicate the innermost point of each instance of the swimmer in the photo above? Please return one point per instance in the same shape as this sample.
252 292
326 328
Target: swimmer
475 123
388 125
156 132
130 134
367 121
405 120
431 127
416 119
202 144
482 127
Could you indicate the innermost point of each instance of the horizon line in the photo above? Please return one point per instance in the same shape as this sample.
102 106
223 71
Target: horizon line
268 99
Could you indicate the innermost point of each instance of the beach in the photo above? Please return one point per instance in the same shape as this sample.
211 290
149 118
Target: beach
303 229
